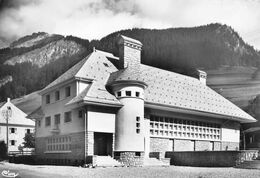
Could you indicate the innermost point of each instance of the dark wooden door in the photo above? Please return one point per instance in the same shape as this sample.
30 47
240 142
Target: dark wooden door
102 144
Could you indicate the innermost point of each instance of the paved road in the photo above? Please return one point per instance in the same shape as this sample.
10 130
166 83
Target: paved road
26 173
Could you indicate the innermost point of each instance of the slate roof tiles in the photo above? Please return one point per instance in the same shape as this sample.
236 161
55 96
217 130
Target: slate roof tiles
164 87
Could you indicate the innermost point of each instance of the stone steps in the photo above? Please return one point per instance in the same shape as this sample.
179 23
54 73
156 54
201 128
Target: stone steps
154 162
107 161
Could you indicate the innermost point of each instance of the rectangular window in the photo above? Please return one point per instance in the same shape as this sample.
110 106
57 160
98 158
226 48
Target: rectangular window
47 121
67 116
28 131
57 119
137 94
80 113
119 93
67 91
57 95
127 93
12 142
48 99
39 123
12 130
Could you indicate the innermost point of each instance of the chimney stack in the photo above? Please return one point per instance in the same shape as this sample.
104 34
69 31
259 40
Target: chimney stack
129 52
202 76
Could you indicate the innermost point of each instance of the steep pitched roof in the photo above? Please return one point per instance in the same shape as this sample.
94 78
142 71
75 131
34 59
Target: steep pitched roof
127 74
98 69
86 68
2 103
69 74
164 87
176 90
36 114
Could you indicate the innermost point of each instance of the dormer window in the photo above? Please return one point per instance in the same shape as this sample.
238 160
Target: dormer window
67 91
127 93
48 98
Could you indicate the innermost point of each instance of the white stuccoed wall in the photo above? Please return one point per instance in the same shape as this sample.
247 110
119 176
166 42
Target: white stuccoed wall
101 122
230 132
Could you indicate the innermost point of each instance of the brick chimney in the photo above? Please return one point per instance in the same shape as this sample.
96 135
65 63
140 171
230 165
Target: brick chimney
129 52
202 76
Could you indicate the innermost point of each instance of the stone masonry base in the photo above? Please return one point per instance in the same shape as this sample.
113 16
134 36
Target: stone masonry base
130 158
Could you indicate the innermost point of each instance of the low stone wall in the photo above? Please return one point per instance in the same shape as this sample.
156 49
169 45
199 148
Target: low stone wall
210 158
130 158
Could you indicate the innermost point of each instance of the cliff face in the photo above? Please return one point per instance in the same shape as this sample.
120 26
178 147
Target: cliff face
46 54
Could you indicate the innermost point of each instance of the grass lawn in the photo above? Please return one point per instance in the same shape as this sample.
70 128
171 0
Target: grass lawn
135 172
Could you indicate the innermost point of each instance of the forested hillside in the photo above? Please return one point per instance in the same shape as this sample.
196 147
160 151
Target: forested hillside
35 60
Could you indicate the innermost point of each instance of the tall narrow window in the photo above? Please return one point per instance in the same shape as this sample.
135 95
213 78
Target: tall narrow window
80 113
67 116
57 119
47 121
67 91
137 124
39 123
57 95
12 130
137 94
119 94
12 142
48 99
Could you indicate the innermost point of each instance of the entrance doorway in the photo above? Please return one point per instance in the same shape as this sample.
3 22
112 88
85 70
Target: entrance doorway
103 144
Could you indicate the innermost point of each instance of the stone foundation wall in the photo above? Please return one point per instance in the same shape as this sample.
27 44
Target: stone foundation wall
217 146
130 158
74 157
161 144
229 146
183 145
89 143
202 145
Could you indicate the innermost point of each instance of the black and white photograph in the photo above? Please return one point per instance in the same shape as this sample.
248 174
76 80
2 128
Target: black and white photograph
129 88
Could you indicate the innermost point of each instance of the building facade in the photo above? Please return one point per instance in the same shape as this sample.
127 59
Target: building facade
107 105
18 125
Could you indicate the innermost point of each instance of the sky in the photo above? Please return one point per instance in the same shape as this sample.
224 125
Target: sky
94 19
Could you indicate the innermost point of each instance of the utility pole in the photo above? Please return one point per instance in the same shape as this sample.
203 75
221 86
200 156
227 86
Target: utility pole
7 113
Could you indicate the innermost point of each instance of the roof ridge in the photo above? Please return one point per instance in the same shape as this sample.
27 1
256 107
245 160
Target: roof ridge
70 73
169 71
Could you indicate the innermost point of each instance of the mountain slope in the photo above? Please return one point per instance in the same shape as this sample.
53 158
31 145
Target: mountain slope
48 53
232 65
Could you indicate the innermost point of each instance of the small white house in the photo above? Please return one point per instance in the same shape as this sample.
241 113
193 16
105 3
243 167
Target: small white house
18 125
